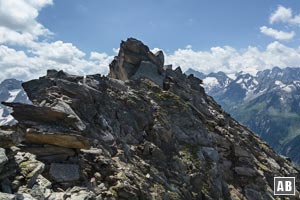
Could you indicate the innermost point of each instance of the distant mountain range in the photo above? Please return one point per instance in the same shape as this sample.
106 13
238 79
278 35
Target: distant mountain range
10 91
268 103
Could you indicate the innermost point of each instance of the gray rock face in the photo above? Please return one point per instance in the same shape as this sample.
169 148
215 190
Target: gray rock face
64 172
245 171
132 53
148 70
161 57
28 114
3 158
211 153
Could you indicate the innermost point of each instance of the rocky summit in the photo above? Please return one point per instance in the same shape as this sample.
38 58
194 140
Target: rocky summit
145 131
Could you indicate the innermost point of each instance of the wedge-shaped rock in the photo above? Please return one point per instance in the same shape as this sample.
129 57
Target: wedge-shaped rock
31 114
132 53
59 139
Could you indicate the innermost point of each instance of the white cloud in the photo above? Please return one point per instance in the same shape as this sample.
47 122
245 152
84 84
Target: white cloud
19 65
58 51
230 60
206 61
189 46
102 60
282 14
8 36
19 27
279 35
20 16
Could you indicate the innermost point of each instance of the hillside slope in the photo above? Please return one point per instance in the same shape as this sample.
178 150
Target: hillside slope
267 103
154 134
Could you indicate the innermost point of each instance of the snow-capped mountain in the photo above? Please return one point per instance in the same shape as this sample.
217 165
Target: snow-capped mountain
268 103
10 91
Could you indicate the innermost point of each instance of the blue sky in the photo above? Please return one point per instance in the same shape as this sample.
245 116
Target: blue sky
81 36
168 24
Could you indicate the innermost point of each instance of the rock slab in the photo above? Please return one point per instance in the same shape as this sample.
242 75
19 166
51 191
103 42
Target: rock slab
64 172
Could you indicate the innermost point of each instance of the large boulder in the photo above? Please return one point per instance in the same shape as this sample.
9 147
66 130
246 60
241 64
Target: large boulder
132 53
32 114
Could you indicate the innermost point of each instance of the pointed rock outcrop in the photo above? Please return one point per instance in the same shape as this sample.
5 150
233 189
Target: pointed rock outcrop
132 56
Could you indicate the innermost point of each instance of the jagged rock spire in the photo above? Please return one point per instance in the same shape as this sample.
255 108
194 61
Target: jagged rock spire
132 55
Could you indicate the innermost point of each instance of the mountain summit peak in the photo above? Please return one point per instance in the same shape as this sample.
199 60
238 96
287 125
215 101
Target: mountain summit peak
134 55
144 132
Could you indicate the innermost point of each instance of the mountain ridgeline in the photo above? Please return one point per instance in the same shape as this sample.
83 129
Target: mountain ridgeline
145 131
10 91
268 103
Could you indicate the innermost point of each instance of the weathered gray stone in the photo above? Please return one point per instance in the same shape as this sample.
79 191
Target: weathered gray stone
161 57
211 153
200 155
150 71
245 171
3 158
32 114
131 54
5 186
5 196
83 195
43 182
64 172
253 194
40 190
31 170
24 196
57 196
10 138
240 152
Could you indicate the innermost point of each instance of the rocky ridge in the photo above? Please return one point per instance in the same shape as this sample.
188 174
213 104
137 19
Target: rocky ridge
267 103
144 132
